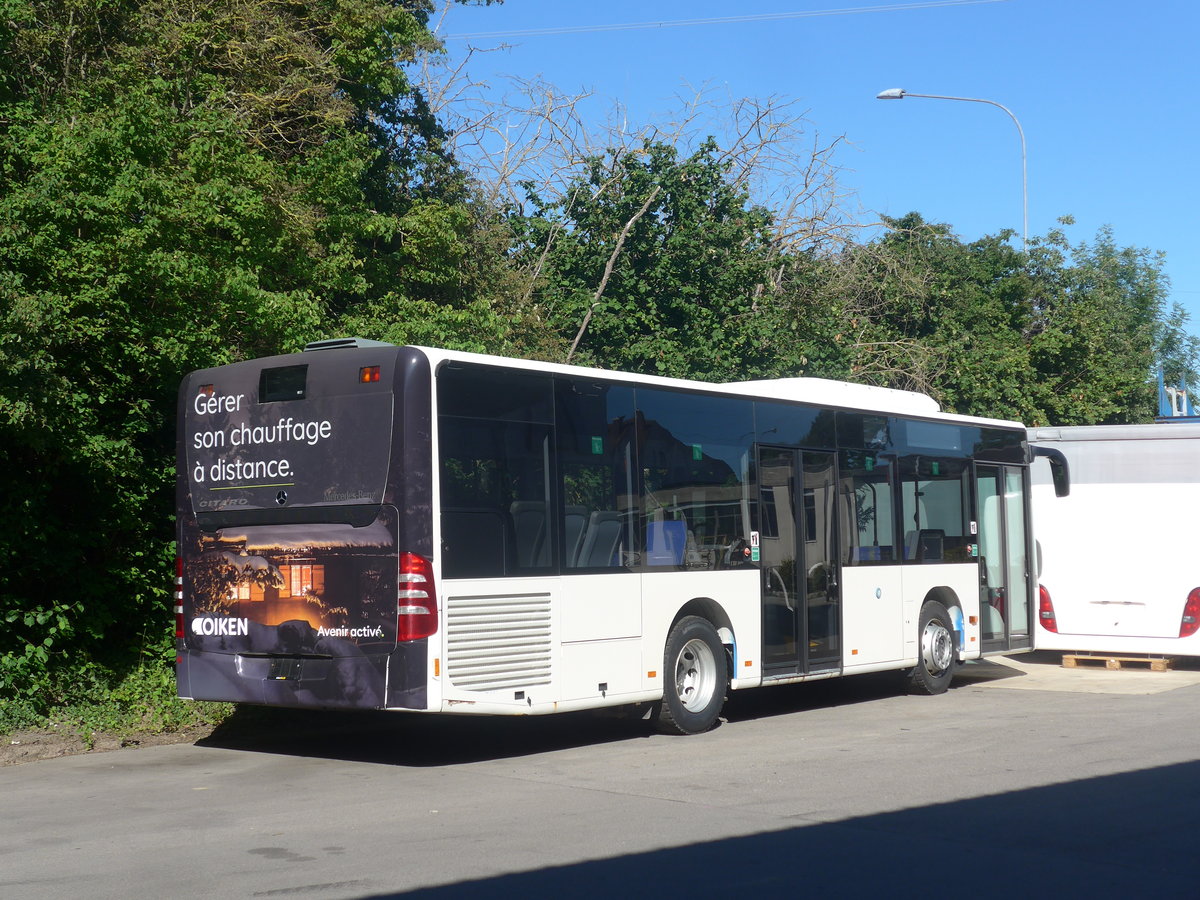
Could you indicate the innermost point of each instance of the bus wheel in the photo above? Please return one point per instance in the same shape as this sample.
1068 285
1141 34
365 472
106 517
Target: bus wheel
695 678
939 659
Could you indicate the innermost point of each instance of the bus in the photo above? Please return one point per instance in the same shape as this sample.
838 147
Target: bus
369 526
1118 573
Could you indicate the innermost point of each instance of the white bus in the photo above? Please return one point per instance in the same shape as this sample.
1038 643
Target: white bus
1119 570
363 525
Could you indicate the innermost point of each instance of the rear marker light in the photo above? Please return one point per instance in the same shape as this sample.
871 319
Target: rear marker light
179 597
1046 610
1190 622
368 374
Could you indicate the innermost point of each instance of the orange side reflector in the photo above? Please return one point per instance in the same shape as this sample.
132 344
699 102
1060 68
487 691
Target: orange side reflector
748 663
437 667
854 653
651 674
974 620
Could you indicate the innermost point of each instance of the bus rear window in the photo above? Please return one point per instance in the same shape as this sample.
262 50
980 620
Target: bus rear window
284 383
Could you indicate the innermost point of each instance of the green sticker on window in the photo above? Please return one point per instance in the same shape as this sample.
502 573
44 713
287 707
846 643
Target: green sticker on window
869 463
597 445
697 454
937 468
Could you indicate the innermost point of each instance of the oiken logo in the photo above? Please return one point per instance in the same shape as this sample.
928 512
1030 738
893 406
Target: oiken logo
208 626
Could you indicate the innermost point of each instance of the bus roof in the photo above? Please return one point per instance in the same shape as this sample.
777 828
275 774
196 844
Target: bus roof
818 391
1158 431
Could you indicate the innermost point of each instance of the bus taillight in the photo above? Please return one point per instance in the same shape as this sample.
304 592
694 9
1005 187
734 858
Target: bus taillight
1190 622
178 597
1046 610
416 612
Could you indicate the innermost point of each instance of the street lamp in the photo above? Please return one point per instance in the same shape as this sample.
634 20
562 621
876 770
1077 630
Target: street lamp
900 94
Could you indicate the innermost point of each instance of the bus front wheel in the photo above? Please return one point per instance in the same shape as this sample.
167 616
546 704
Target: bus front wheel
938 655
695 676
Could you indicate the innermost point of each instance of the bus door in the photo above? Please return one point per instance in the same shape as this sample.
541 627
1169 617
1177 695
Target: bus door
798 560
1005 595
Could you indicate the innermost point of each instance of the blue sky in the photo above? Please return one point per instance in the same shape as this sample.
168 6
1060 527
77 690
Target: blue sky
1106 92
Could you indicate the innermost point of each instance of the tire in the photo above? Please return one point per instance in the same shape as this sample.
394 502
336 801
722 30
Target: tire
939 656
696 677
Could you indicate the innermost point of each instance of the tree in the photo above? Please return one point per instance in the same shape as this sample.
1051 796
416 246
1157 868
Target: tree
534 154
183 183
1099 311
656 263
1069 334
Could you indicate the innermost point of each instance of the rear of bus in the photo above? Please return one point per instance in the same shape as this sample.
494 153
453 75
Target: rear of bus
305 529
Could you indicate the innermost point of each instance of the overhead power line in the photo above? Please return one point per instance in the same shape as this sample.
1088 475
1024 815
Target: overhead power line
721 20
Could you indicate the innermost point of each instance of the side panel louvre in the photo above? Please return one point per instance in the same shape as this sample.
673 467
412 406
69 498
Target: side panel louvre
498 642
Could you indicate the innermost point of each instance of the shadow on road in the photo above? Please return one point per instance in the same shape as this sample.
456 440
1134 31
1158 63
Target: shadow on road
411 739
1121 835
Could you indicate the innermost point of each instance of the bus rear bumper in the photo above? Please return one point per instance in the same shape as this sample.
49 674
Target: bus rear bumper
375 681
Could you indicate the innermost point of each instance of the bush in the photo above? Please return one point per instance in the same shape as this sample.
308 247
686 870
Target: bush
93 697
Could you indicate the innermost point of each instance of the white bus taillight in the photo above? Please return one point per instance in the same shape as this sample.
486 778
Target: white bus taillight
416 612
1191 614
1046 610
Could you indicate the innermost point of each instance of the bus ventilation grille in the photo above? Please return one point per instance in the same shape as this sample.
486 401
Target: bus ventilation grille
498 642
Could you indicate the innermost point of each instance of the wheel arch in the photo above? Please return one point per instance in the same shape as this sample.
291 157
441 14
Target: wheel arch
949 599
943 595
708 608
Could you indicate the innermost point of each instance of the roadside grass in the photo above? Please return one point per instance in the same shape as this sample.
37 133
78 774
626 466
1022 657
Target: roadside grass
94 700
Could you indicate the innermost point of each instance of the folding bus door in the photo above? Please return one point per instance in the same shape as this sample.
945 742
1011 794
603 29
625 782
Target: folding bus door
798 559
1005 585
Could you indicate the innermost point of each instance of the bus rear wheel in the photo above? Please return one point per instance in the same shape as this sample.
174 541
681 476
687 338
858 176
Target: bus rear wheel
695 676
939 658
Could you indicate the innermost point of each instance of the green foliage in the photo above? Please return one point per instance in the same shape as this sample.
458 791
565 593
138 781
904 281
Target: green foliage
687 294
1177 349
183 184
1069 334
92 698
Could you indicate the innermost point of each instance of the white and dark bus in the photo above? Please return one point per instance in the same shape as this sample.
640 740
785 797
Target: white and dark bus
369 526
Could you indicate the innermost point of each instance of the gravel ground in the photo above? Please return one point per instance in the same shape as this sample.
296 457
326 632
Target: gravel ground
30 746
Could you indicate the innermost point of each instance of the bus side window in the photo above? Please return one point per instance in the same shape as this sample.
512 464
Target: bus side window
594 434
867 508
476 543
494 497
934 496
694 458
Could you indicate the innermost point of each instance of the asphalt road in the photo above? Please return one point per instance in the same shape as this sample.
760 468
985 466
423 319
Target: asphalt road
1023 780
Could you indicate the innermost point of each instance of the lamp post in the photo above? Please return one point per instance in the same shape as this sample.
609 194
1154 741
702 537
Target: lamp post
900 94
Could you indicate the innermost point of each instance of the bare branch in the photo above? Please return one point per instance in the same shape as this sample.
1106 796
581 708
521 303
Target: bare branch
608 268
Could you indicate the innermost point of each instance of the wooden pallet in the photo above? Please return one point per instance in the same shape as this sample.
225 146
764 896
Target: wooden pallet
1154 663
